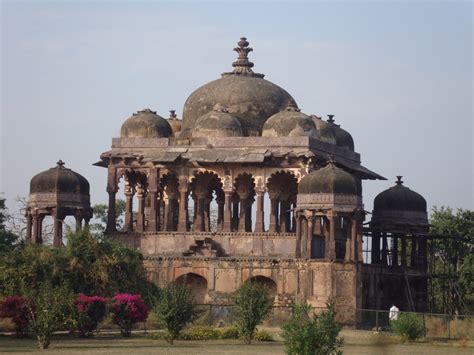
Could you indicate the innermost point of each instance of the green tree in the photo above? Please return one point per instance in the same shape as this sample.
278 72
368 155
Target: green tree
252 303
100 215
305 334
49 309
8 239
175 309
90 265
453 293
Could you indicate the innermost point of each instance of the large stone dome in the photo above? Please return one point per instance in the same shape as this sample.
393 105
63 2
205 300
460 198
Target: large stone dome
246 95
289 122
59 180
145 124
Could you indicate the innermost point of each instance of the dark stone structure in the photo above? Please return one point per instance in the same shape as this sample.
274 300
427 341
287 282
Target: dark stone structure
58 192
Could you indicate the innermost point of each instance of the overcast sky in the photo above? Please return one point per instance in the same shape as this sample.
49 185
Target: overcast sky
397 75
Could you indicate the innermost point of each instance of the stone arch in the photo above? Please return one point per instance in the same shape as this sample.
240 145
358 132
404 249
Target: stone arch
282 188
265 282
206 189
244 197
196 283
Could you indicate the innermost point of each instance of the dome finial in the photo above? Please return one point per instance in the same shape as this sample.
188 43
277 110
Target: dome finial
291 106
399 180
220 108
60 163
331 160
331 118
173 114
242 66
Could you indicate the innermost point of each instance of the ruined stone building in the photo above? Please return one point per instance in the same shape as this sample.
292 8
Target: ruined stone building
246 186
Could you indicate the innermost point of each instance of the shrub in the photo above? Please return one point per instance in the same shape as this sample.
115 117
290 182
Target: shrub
304 334
127 310
200 333
408 326
261 335
253 304
14 307
231 332
49 310
175 309
90 311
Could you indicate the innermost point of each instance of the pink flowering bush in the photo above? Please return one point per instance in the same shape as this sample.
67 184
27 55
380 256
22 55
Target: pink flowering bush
15 308
127 310
90 311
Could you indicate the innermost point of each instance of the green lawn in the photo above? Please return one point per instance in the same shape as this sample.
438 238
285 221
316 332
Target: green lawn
356 342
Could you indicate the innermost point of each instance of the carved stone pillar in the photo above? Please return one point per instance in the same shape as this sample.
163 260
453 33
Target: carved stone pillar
129 191
273 226
384 249
414 253
248 215
220 213
354 237
375 248
260 221
141 194
57 229
207 213
153 210
112 189
332 236
37 237
183 204
29 225
235 215
349 238
309 237
78 217
298 251
227 222
243 196
284 205
395 251
171 212
199 221
404 251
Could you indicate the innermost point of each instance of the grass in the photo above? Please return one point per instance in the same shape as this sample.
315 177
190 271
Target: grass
356 342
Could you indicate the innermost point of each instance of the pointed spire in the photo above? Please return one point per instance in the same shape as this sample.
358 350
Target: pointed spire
399 180
331 160
291 106
242 66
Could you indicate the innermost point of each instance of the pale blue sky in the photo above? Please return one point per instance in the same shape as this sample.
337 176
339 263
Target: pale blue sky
397 75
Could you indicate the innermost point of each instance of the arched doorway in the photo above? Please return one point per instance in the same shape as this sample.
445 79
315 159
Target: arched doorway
266 282
196 283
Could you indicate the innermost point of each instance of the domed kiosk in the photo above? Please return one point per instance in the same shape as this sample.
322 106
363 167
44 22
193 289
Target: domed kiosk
397 262
328 212
58 192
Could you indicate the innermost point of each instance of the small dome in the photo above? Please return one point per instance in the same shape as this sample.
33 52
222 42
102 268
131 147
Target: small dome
247 96
343 138
59 180
399 198
328 180
146 124
324 131
174 122
217 123
289 122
